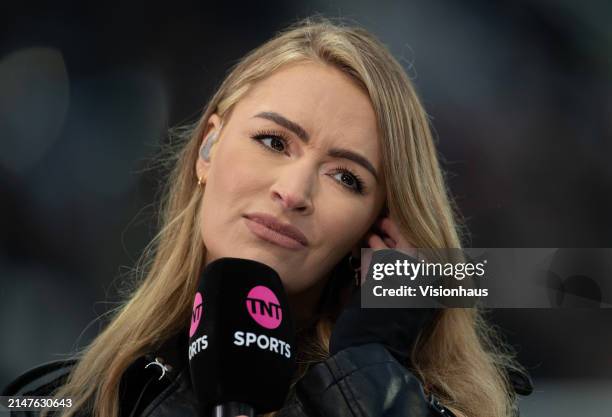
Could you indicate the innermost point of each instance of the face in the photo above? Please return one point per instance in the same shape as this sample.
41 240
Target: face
301 146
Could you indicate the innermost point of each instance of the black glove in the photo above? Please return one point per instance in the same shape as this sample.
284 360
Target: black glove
395 328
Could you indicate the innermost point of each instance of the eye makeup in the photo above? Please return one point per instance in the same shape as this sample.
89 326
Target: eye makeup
281 137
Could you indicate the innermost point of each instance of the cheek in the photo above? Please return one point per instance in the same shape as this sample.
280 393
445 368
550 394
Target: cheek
340 223
233 178
233 184
231 172
343 224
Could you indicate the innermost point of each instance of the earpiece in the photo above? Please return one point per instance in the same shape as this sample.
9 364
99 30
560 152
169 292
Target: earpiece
210 141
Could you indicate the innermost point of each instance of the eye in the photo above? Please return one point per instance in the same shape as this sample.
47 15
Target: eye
278 141
353 182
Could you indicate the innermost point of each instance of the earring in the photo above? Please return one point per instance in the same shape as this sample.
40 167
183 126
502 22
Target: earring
200 182
356 269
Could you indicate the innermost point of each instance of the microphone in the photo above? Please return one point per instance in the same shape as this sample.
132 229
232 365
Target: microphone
241 339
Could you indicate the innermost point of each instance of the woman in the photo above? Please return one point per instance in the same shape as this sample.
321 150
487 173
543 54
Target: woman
320 128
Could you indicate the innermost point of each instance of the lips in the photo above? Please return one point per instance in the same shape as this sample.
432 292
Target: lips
273 223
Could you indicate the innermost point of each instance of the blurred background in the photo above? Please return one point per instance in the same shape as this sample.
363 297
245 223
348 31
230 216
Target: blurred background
519 94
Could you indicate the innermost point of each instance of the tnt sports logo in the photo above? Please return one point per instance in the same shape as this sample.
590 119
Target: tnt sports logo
196 314
264 308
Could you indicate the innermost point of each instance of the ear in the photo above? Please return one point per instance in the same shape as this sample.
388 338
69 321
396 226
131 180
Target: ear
202 165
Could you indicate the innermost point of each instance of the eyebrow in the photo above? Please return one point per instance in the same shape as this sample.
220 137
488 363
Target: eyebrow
301 133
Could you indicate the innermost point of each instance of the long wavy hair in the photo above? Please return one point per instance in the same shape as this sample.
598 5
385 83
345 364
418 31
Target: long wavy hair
459 357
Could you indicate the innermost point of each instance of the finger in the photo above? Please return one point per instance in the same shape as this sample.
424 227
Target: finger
375 242
390 228
389 242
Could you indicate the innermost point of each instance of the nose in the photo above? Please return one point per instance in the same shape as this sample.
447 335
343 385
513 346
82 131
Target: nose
293 187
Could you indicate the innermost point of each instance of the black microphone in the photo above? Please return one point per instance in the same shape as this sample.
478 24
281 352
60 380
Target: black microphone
241 339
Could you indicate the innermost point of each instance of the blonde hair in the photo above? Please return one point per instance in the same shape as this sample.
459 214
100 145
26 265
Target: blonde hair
459 358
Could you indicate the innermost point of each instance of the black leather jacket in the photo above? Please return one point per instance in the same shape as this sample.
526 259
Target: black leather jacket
355 382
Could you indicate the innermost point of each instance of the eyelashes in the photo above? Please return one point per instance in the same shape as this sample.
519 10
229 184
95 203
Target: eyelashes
259 136
359 187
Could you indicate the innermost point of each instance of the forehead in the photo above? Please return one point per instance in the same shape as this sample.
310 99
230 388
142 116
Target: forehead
324 101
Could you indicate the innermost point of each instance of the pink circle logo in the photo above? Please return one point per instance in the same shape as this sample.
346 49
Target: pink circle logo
264 308
196 314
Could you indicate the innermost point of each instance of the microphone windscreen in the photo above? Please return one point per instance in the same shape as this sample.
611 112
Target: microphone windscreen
241 337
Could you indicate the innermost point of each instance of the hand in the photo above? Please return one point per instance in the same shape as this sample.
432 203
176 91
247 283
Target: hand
395 328
385 235
389 237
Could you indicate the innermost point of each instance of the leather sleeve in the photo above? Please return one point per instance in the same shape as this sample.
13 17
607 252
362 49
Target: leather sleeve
41 380
359 381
